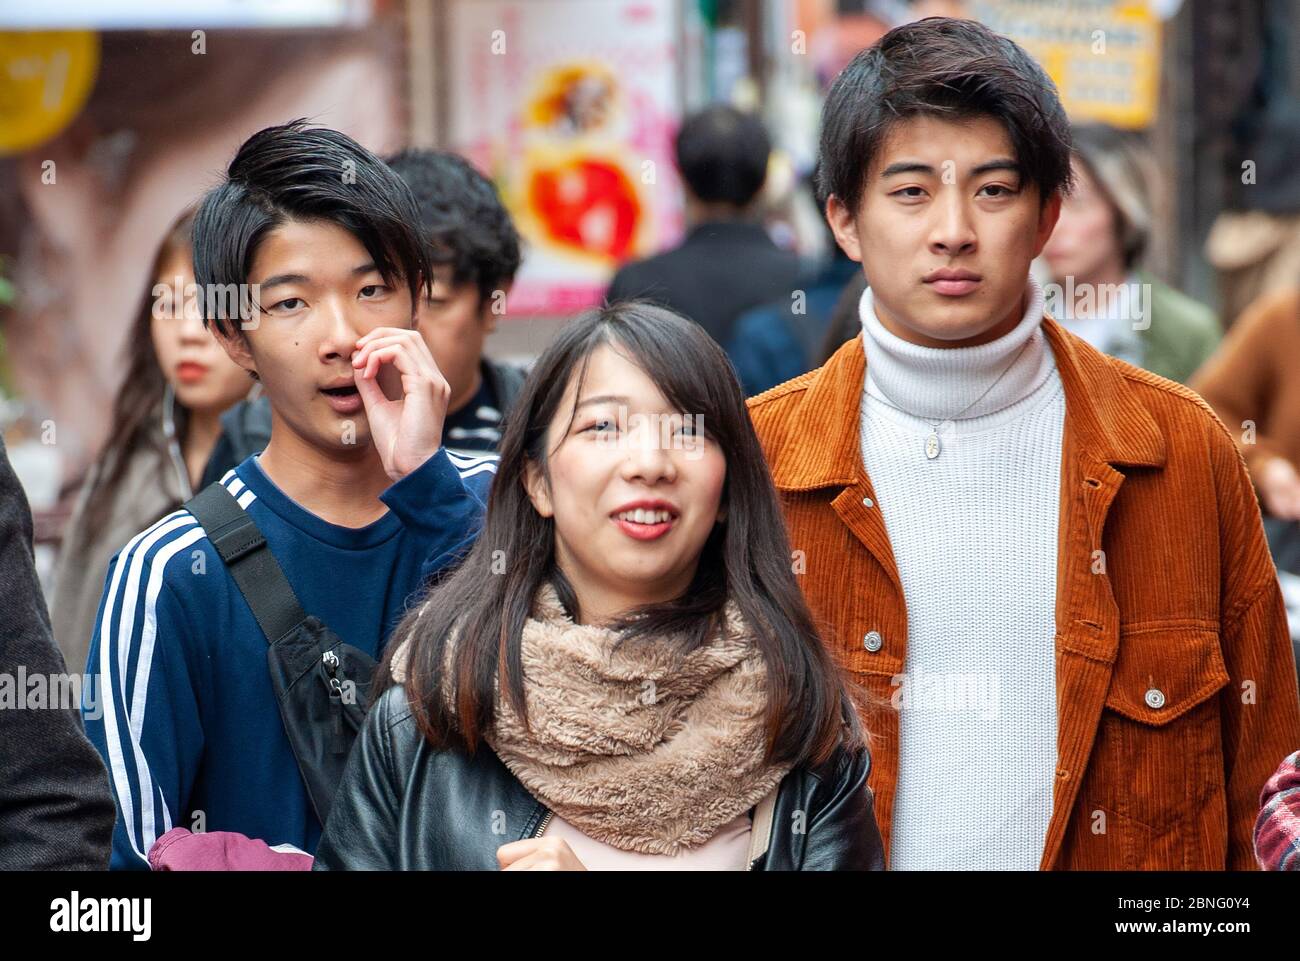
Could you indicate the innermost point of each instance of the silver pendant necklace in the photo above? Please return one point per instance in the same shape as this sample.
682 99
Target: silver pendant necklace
932 443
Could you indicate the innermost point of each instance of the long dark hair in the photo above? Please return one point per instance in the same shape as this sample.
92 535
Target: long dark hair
143 386
746 559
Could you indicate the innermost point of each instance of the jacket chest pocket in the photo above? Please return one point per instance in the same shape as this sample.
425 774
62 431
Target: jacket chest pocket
1158 756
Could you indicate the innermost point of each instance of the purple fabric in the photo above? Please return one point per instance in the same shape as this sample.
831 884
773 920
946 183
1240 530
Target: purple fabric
179 850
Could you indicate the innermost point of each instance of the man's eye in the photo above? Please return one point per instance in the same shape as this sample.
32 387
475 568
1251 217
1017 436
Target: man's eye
289 303
1002 190
910 193
373 290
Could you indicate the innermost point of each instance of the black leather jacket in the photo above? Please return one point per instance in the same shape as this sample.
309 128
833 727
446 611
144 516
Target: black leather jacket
404 805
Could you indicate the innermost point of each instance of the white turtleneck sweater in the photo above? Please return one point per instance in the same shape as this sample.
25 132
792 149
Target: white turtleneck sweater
974 534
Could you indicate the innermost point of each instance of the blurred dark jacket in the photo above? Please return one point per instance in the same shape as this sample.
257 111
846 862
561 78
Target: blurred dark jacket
782 339
56 810
719 271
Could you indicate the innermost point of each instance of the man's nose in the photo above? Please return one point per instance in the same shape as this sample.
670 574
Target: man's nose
953 232
340 334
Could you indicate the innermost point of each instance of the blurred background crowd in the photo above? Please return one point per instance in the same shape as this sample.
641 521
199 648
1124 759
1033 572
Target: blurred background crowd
660 148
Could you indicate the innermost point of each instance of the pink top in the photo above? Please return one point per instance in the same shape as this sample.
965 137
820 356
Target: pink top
728 850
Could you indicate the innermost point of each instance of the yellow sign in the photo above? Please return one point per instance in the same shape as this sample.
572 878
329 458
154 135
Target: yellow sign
45 79
1103 55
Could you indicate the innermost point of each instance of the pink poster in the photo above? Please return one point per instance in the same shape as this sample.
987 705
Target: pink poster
571 106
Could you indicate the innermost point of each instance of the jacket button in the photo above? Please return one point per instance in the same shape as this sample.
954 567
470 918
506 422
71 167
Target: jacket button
872 641
1155 698
868 502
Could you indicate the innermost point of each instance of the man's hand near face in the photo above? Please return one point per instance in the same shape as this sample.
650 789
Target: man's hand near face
406 431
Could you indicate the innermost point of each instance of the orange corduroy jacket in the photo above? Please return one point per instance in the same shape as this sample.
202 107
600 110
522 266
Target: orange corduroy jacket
1175 678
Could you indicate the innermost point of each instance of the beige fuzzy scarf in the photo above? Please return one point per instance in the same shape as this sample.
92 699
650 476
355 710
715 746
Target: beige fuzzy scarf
633 744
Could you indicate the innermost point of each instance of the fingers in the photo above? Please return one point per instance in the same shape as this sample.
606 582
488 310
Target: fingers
538 854
394 354
383 332
372 395
388 336
508 854
361 359
405 349
532 862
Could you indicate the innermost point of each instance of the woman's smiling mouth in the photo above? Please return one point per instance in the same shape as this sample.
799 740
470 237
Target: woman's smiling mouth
645 521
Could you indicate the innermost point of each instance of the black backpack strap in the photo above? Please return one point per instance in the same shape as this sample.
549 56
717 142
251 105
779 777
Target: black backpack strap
250 562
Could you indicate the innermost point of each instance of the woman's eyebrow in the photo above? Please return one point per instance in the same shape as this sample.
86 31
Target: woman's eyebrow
601 399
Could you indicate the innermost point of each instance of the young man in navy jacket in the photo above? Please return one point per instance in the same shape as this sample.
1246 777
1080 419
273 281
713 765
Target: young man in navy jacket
356 496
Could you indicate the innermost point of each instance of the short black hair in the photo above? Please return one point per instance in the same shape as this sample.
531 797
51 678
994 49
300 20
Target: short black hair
949 68
722 153
462 218
296 172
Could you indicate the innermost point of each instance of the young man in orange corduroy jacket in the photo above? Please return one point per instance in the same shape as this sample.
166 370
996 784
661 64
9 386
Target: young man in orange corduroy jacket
1050 562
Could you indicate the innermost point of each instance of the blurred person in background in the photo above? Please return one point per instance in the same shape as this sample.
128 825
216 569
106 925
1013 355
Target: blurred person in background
1097 247
846 320
1254 242
782 339
1252 384
727 263
166 430
474 250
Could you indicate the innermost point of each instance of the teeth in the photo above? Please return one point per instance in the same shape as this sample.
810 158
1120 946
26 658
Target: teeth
643 516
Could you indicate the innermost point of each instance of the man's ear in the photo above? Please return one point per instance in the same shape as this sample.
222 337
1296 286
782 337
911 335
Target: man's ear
235 344
843 225
536 488
1047 218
